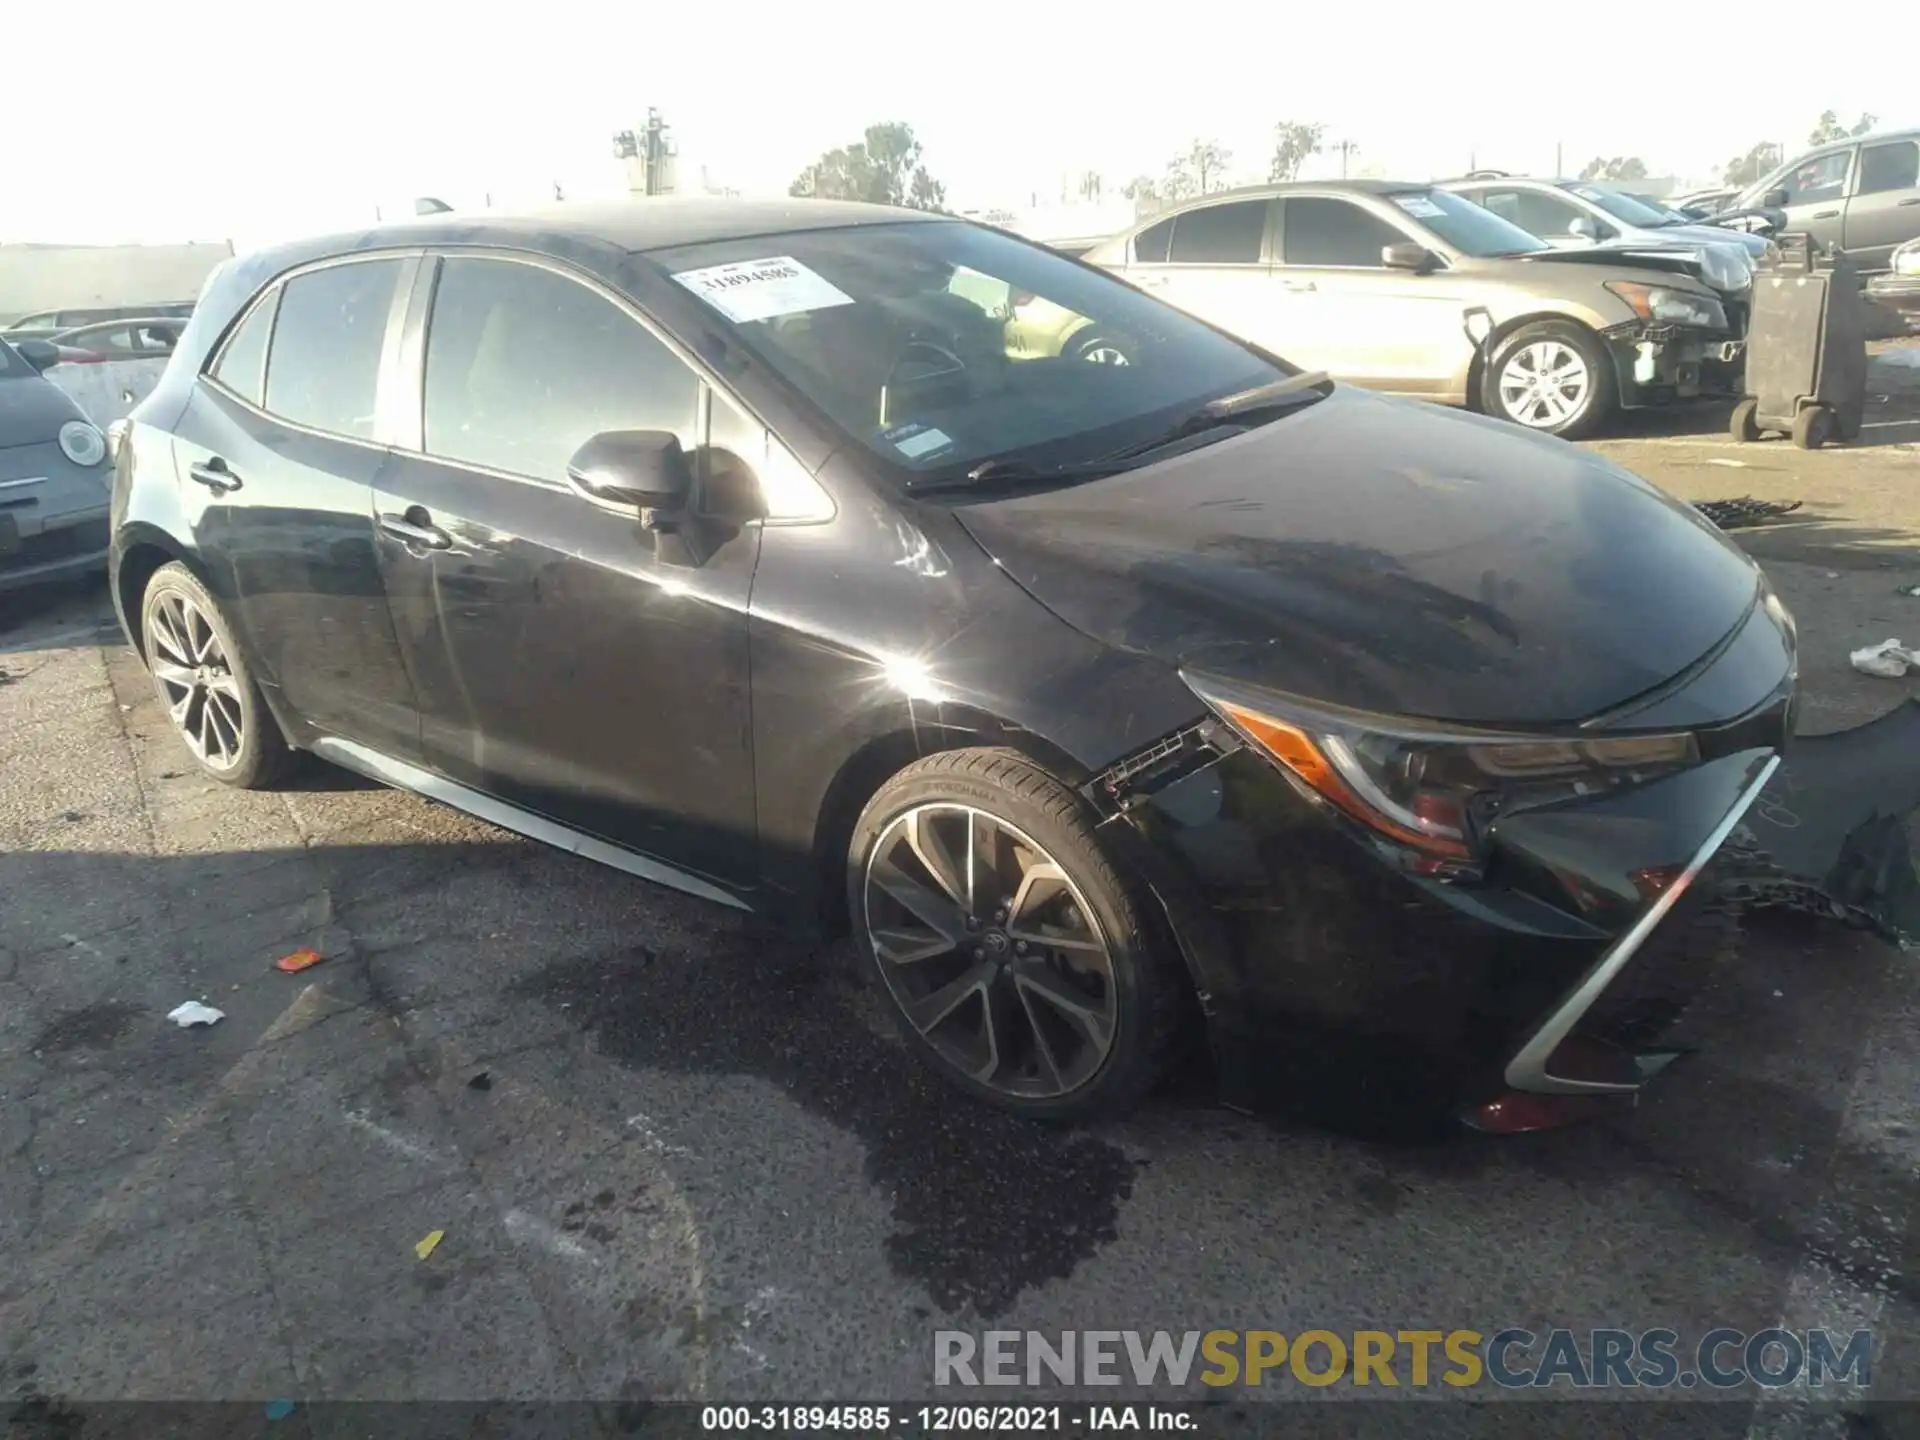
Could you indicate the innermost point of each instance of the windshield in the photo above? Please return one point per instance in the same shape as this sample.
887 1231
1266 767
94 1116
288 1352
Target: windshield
938 345
1622 206
1466 226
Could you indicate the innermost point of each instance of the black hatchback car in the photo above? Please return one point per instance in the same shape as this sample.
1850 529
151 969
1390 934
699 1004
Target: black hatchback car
1110 698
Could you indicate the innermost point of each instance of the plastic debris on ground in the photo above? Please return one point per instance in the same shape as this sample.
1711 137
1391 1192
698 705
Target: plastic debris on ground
482 1081
1889 659
1913 590
429 1243
296 962
279 1409
194 1013
1730 514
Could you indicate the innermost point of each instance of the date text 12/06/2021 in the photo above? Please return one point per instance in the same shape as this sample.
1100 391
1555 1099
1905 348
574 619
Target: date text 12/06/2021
944 1419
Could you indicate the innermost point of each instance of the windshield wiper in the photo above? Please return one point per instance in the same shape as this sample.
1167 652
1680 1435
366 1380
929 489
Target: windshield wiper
1294 390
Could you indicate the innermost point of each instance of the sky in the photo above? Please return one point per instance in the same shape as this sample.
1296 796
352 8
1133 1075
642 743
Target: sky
256 122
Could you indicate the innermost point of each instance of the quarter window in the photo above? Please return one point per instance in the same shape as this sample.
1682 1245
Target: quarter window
242 366
1320 231
1150 245
524 366
1894 166
323 369
1229 234
1537 214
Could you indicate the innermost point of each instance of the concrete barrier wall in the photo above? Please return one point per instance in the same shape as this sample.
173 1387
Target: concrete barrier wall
81 277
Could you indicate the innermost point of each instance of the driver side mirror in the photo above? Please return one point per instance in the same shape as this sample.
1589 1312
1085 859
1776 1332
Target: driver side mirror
1775 198
1583 228
646 469
1406 255
40 354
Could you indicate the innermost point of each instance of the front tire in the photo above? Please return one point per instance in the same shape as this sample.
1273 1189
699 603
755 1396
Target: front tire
1552 376
205 685
1018 962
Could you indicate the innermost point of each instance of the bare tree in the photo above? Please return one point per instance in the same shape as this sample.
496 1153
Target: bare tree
1091 185
1293 142
1747 168
1201 171
1144 192
1620 167
1830 127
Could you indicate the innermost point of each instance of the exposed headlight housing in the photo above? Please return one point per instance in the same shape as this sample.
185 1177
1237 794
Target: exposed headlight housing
1429 790
1906 260
1671 307
82 444
1727 267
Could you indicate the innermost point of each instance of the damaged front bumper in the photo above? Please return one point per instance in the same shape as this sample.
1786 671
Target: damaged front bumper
1661 364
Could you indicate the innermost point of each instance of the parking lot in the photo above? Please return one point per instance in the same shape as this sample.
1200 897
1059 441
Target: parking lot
675 1156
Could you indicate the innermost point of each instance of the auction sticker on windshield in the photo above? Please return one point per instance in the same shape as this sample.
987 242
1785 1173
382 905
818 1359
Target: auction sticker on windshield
749 290
1419 205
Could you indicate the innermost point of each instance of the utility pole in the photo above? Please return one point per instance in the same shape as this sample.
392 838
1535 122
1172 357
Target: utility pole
1346 148
646 151
1559 163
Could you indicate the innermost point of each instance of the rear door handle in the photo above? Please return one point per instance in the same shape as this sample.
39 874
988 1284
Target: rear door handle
1826 214
215 475
1298 287
416 529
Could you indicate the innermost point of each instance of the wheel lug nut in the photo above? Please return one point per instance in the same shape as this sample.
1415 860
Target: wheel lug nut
979 953
1019 947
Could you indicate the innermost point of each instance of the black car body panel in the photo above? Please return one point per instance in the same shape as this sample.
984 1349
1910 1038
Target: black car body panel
723 699
1387 556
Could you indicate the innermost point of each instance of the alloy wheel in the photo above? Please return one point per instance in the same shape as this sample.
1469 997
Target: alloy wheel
1545 384
990 950
196 680
1105 355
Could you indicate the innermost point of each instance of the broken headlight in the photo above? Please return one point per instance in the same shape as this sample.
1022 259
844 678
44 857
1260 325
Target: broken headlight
1427 787
1671 307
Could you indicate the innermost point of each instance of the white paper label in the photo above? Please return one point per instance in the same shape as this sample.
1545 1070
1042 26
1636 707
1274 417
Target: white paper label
761 289
1419 205
914 441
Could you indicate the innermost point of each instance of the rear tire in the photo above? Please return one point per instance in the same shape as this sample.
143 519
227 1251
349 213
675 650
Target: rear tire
1553 377
1071 1006
205 685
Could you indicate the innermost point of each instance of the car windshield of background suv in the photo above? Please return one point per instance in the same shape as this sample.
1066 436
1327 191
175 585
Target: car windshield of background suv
904 337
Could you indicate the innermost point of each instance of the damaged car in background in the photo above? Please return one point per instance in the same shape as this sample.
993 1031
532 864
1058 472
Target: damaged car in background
1898 290
1415 290
1112 701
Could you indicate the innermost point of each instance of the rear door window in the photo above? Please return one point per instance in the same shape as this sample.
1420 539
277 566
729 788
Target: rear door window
323 369
524 366
242 366
1229 234
1893 166
1318 230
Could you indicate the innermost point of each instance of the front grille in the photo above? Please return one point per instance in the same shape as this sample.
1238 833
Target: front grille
86 538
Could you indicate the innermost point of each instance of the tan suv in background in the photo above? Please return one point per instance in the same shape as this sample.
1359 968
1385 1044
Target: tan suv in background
1406 288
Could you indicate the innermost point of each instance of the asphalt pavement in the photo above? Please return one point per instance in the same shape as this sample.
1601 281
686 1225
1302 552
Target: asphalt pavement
670 1154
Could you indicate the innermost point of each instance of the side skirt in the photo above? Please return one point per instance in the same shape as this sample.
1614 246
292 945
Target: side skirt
402 776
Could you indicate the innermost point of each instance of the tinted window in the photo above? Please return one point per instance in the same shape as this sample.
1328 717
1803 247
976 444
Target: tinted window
1821 179
1333 232
324 367
938 344
1889 167
1622 206
242 365
1220 234
525 366
1150 245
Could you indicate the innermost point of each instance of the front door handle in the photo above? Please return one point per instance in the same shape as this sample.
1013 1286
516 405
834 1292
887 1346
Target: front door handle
1911 200
1298 287
215 475
1826 215
416 528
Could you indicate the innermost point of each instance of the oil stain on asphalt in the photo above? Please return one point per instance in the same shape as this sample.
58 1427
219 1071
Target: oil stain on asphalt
984 1205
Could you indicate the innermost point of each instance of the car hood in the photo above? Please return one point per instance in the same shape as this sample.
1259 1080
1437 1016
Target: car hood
1630 259
1386 555
33 409
1712 235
